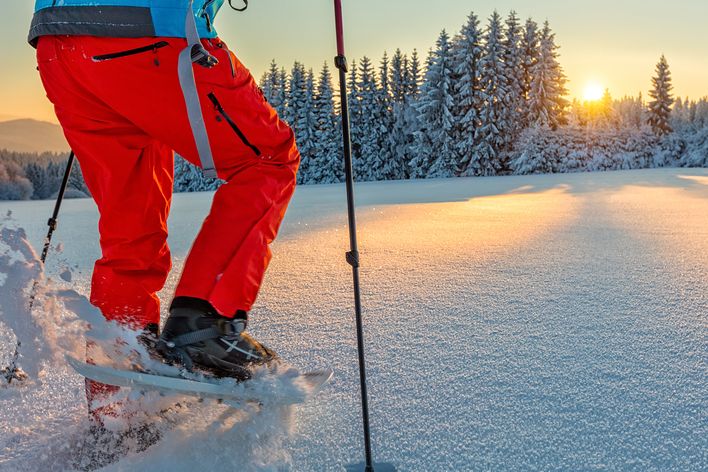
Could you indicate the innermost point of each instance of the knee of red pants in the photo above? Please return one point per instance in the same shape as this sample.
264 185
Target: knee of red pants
285 162
283 154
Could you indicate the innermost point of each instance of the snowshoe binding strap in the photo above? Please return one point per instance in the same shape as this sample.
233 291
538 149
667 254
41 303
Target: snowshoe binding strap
175 349
223 328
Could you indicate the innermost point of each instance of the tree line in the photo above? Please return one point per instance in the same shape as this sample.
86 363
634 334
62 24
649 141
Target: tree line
37 176
459 114
487 101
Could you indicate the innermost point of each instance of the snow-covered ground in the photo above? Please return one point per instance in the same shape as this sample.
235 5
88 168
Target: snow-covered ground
514 323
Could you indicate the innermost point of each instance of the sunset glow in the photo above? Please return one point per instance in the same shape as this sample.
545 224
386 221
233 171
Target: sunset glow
593 92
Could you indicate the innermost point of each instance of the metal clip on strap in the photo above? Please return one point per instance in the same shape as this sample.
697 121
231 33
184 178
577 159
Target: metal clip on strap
202 57
231 327
195 53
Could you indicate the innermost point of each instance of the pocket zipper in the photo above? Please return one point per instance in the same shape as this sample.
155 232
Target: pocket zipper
233 125
231 61
131 52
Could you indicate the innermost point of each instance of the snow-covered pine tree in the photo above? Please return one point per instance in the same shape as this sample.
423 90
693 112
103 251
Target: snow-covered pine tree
412 123
76 182
418 165
533 153
326 166
367 131
55 172
493 92
530 57
190 178
514 73
699 112
282 93
354 108
694 132
385 97
311 124
398 75
547 103
268 80
679 115
273 87
467 53
384 79
435 154
407 118
402 132
14 185
662 99
413 75
630 112
41 182
384 165
186 177
299 115
296 90
609 114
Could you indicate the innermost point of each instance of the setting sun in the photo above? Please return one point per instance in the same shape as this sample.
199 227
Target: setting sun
592 92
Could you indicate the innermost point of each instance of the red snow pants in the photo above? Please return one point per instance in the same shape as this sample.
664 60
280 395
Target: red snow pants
120 104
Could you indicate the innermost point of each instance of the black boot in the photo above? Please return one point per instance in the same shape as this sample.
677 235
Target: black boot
196 336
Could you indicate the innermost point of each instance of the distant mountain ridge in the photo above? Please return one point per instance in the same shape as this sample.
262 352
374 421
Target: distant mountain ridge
27 135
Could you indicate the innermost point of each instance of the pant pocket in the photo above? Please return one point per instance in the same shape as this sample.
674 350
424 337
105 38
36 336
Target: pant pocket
131 52
233 124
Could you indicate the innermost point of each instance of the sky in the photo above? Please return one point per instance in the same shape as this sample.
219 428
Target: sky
612 43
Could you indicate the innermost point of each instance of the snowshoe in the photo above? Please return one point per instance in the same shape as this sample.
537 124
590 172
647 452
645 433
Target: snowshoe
195 336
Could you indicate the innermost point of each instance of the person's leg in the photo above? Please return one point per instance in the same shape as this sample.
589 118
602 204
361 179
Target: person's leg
254 152
129 175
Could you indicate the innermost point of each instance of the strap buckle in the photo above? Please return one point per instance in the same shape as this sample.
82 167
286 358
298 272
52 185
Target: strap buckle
231 327
202 57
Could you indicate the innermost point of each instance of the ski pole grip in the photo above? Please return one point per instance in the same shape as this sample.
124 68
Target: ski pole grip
340 27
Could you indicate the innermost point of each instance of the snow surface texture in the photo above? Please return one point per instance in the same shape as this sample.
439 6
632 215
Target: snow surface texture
551 322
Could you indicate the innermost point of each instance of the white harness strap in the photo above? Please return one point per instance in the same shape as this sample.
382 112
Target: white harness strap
189 90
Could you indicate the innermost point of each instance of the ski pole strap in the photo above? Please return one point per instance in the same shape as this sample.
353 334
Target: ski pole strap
195 52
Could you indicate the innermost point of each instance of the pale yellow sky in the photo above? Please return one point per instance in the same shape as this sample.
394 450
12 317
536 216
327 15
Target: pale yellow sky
615 44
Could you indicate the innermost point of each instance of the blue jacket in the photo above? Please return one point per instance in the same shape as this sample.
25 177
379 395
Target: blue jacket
121 18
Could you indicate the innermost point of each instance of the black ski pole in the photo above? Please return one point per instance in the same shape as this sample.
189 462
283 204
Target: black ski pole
353 255
13 372
52 223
